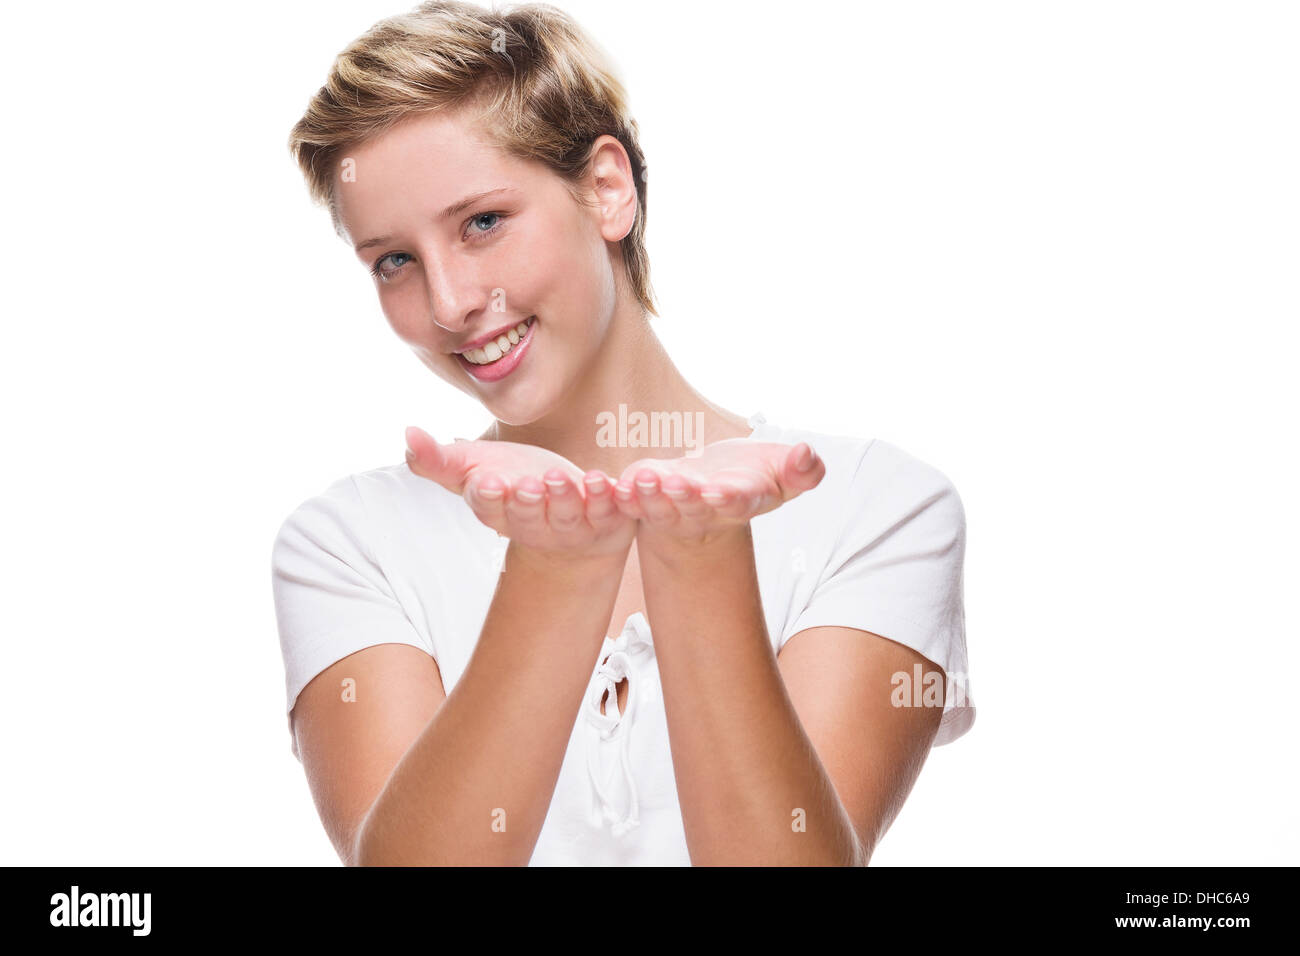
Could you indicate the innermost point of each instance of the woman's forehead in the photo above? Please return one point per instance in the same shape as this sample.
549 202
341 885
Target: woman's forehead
429 161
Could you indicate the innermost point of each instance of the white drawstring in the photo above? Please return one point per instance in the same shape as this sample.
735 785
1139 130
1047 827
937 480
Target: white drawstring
616 664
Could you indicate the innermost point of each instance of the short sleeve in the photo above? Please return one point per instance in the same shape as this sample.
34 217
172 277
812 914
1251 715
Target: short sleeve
896 570
331 596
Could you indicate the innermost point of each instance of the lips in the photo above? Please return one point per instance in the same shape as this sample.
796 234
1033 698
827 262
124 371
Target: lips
485 339
499 369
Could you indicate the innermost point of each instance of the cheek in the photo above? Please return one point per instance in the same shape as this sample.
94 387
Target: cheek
404 313
575 272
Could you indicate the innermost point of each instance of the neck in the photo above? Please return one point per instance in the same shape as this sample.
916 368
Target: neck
632 404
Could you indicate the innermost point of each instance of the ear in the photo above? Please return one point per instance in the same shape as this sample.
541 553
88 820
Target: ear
614 187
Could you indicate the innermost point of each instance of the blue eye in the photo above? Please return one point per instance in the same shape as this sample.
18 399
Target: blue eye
495 224
379 272
488 223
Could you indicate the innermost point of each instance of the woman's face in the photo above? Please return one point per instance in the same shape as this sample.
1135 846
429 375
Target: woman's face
466 241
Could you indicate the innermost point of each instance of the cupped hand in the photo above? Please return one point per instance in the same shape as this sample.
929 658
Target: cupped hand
536 498
727 484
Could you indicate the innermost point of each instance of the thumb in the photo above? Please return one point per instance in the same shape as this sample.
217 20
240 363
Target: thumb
802 470
428 459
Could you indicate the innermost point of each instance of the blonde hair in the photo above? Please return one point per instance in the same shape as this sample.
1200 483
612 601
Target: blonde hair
546 90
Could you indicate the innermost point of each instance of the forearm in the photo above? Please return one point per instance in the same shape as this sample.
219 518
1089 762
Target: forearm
475 786
743 763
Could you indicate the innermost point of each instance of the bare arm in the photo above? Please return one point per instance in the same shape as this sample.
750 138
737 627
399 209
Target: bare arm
789 762
402 773
801 761
349 745
475 785
407 774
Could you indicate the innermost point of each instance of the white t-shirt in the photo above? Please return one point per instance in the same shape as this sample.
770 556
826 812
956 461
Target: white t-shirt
386 556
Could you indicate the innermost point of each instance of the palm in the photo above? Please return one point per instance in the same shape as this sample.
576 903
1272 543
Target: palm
467 463
728 483
533 496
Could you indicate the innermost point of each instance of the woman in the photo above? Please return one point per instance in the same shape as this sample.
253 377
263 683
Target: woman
471 671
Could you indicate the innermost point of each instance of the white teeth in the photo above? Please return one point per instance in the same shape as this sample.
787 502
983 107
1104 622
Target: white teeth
494 350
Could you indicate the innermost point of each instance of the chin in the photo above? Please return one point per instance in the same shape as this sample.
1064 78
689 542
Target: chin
523 408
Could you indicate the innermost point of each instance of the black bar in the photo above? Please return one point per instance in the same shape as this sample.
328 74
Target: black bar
939 907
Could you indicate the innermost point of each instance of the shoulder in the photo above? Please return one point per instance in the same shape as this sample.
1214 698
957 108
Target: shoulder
367 503
873 474
896 475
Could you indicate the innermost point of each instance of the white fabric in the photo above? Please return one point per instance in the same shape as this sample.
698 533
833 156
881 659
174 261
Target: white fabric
386 556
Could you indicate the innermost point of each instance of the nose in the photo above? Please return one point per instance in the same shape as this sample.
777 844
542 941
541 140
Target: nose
452 293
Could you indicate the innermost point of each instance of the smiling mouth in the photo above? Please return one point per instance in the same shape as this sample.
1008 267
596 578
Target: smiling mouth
499 347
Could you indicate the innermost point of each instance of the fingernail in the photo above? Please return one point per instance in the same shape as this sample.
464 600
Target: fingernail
713 496
596 484
490 493
649 487
523 494
676 492
623 491
559 486
806 459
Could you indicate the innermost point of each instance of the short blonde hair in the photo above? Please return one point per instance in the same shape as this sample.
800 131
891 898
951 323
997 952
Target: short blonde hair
547 91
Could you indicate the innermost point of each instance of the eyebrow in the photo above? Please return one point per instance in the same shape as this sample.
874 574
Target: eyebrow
453 209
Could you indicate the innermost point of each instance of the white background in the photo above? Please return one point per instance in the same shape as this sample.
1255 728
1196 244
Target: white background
1050 248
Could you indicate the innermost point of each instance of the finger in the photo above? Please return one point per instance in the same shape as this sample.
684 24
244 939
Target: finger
658 509
802 469
730 499
564 504
526 505
421 451
685 496
444 464
625 498
602 511
486 496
